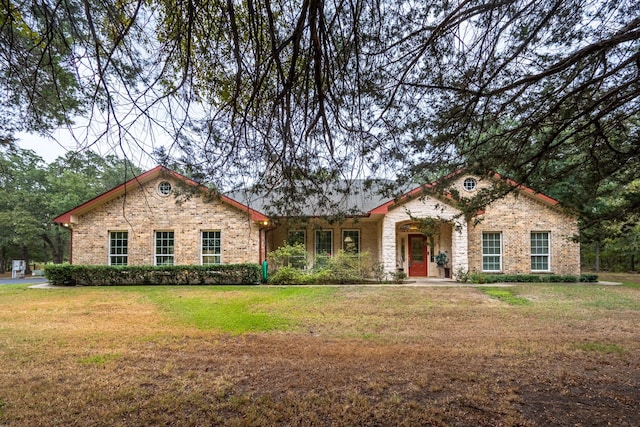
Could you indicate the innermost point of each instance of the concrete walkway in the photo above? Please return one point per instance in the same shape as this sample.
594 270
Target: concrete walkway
26 280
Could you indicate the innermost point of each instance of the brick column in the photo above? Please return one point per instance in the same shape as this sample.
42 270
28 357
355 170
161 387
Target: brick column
459 247
388 242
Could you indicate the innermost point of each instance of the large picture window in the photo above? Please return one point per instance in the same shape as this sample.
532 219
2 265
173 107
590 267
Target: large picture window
540 251
211 248
118 248
491 251
351 241
164 248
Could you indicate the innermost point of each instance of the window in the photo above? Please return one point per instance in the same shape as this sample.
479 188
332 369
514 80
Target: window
351 241
164 248
469 184
118 247
297 237
491 252
298 259
324 242
324 245
164 188
540 251
211 248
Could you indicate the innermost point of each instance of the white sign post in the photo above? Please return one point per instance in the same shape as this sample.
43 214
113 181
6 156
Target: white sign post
17 270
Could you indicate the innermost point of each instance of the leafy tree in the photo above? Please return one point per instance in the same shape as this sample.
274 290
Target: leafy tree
35 193
21 200
295 94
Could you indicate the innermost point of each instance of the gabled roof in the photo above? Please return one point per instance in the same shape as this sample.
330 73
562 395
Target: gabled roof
66 218
361 199
424 190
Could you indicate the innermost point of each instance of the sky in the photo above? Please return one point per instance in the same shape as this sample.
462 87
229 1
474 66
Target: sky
46 148
63 141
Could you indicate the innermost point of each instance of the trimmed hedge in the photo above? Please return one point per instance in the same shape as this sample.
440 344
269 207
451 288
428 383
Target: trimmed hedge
105 275
530 278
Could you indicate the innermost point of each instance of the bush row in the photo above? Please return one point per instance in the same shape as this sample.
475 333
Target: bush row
289 267
104 275
531 278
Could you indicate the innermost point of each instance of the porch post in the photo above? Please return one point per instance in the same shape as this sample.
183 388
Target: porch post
388 244
459 247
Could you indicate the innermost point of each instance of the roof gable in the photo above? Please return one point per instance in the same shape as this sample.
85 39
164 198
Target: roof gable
137 182
425 190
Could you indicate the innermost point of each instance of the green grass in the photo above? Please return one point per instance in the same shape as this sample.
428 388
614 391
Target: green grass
235 310
600 347
505 295
592 296
99 359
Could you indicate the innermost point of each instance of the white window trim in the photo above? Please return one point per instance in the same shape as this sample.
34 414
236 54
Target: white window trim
110 255
201 246
482 255
548 254
359 238
155 247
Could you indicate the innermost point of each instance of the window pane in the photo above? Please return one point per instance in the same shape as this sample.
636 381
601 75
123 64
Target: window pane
296 237
164 247
417 249
351 241
211 247
118 247
324 245
540 251
323 242
491 252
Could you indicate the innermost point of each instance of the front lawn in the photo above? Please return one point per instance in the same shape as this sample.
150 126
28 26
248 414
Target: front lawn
554 354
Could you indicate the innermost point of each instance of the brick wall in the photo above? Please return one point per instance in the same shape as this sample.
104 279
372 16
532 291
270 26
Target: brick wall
515 217
142 211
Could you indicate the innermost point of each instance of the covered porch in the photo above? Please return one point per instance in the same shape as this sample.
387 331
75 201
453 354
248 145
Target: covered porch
406 247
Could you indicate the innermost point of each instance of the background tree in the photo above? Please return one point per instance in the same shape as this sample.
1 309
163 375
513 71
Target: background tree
21 201
292 95
35 193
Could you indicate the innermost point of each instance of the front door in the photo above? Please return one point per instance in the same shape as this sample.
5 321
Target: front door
418 255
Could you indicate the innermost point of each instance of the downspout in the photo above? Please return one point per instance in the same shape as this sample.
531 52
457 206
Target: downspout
70 246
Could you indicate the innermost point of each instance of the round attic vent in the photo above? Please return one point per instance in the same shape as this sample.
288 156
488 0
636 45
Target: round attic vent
164 188
470 184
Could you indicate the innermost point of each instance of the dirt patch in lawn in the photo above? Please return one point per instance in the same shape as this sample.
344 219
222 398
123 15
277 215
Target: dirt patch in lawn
360 357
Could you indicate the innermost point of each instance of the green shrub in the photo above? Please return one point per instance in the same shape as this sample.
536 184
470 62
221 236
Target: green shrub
462 275
294 256
588 278
340 268
482 278
104 275
288 276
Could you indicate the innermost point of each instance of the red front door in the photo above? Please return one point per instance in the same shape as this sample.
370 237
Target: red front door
418 255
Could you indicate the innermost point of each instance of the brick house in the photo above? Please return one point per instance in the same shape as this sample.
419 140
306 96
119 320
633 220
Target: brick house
161 217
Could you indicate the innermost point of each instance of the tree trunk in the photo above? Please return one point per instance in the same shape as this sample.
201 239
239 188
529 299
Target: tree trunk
58 254
3 258
56 247
596 266
633 262
25 257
